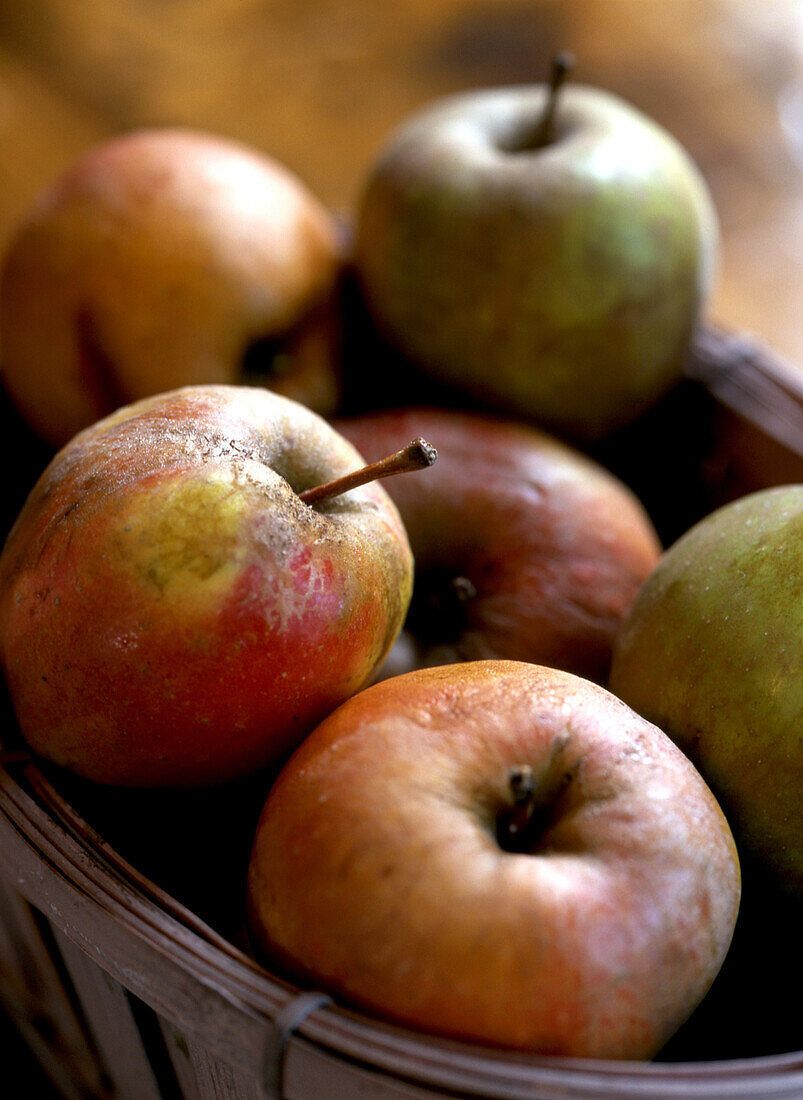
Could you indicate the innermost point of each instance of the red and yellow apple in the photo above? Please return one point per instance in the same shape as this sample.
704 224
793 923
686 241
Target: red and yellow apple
171 612
524 548
163 258
501 853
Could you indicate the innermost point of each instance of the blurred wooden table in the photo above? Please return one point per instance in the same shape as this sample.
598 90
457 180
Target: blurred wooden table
320 83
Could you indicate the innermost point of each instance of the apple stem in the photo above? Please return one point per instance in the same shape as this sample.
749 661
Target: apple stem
562 65
417 455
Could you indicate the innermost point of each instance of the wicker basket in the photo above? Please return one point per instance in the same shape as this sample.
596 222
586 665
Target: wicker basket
130 990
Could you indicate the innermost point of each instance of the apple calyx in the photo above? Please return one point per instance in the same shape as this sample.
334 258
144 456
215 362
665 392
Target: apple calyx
417 455
439 608
562 65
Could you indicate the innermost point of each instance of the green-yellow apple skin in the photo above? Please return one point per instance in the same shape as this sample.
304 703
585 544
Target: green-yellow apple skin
157 260
171 613
713 653
554 547
377 870
560 282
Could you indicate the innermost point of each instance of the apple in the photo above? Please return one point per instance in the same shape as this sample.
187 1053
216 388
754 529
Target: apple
162 258
524 548
545 258
173 611
501 853
713 653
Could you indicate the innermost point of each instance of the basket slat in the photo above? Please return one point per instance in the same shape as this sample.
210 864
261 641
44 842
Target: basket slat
178 1051
114 1030
169 975
34 996
218 1080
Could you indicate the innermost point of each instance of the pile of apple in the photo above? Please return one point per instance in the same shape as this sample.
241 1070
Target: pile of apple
488 821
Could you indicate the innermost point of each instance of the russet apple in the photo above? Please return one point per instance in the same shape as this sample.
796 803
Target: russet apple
713 653
163 258
172 611
546 259
524 548
500 853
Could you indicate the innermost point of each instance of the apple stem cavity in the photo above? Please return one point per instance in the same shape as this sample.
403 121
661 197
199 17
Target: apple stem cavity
562 65
530 806
439 610
526 810
461 590
417 455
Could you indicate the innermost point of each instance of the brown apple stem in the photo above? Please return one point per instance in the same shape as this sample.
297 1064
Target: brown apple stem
562 65
521 781
417 455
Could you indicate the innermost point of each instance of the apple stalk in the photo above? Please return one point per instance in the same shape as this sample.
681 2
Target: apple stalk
417 455
562 65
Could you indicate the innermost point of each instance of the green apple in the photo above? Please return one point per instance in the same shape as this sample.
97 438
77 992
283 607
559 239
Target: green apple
549 260
713 654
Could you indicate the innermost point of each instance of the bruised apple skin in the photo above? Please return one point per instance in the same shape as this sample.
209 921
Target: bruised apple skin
525 549
172 614
386 869
161 258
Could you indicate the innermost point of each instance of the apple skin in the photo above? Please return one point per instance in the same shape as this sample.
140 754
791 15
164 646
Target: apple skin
171 613
555 547
376 872
713 653
156 261
558 282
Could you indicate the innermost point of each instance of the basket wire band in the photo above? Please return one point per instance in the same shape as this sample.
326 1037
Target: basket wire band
287 1020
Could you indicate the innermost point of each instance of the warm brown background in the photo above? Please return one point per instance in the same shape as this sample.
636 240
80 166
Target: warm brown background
320 83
